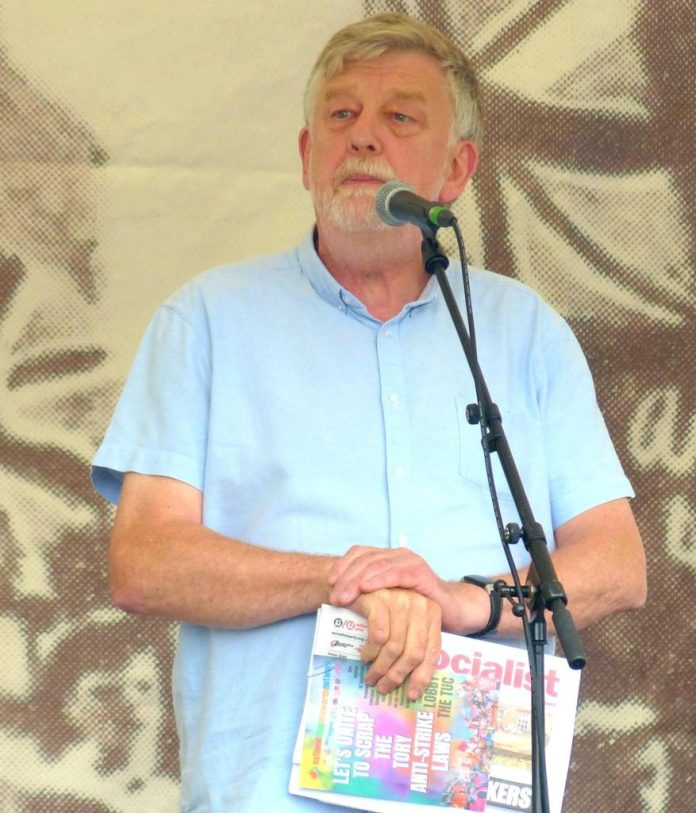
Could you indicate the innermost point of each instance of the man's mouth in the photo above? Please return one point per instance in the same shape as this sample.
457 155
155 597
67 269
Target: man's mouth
359 179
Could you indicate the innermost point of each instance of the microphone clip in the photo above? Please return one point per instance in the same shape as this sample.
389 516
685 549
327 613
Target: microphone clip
434 257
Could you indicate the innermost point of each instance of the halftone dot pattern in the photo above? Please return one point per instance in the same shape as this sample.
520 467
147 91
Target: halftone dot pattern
585 191
86 724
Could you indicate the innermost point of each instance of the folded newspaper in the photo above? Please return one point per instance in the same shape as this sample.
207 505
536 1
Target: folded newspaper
465 743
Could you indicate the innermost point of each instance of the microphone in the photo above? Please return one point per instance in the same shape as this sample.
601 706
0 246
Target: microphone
397 204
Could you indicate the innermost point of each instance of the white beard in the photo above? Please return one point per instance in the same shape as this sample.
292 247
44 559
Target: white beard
351 209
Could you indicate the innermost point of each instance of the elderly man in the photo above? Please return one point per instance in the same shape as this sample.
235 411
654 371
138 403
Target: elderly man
293 433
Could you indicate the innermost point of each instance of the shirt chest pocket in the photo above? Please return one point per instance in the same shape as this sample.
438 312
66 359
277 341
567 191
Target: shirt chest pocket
525 440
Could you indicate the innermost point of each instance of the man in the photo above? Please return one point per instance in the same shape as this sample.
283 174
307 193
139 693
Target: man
293 433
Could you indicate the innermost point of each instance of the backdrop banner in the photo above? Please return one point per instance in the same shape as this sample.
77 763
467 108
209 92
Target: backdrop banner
141 144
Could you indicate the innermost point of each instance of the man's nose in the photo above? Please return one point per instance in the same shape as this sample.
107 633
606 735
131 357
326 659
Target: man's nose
365 136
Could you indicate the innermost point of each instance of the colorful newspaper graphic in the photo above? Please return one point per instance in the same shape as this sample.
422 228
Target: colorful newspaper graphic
464 744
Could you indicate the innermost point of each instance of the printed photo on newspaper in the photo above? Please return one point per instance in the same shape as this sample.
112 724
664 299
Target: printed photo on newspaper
465 743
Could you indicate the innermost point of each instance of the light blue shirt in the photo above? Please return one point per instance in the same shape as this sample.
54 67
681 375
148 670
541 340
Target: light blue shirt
311 426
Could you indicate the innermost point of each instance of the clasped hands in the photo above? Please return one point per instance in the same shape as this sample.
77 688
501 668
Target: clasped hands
406 606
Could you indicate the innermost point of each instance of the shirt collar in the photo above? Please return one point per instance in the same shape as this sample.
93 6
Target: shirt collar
321 279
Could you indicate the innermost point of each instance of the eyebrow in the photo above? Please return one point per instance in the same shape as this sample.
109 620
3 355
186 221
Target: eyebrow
397 95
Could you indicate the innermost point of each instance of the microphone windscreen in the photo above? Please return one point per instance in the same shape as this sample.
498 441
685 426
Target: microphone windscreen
384 195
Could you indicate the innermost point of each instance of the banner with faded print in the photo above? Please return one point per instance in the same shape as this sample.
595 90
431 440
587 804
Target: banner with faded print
143 143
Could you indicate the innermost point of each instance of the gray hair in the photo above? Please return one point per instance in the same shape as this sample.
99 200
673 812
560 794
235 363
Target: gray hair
384 33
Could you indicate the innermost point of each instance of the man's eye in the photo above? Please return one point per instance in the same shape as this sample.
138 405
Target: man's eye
342 114
401 117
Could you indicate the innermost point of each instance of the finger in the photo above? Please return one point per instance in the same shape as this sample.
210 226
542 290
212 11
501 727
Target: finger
414 645
397 571
420 652
400 566
390 651
376 565
343 562
376 570
352 560
378 629
422 674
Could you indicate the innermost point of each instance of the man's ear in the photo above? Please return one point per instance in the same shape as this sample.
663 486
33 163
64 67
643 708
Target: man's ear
305 145
463 164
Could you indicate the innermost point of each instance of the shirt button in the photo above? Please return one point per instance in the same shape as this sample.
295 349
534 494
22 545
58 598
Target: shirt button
403 539
400 472
394 399
388 331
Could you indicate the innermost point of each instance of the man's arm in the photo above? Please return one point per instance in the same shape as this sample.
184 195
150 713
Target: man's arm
599 559
164 562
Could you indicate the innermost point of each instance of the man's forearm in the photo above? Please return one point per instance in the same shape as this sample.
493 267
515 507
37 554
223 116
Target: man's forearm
186 572
599 559
164 562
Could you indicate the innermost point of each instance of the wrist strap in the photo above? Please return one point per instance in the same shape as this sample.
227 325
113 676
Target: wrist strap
496 604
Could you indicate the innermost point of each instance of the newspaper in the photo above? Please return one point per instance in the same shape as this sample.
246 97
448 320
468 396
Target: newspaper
466 743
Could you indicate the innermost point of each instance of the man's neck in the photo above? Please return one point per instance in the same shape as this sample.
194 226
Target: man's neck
383 269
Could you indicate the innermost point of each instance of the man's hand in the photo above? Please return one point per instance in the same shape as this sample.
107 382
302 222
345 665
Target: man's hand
403 639
362 570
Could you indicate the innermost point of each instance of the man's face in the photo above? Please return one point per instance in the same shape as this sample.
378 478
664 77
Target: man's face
386 118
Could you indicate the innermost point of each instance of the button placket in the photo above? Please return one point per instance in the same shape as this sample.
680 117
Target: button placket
396 429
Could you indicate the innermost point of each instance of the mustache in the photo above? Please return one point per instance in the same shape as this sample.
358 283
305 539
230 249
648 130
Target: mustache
364 166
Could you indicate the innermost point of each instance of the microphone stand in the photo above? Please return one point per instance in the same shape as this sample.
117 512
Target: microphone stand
544 591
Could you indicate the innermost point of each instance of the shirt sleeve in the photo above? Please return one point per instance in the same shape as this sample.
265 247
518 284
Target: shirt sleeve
160 425
583 467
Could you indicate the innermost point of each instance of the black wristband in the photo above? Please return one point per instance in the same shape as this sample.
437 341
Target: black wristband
496 604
